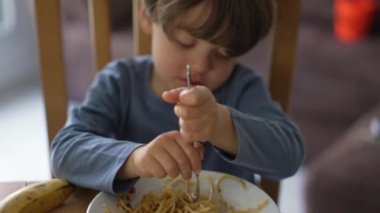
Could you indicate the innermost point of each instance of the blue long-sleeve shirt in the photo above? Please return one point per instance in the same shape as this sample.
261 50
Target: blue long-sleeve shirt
120 113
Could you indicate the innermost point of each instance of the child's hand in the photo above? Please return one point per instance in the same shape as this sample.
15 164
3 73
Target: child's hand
197 111
167 154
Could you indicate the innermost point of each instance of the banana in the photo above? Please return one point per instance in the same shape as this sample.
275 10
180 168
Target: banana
39 197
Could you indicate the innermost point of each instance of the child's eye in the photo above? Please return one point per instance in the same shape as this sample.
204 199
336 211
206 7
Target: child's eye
185 45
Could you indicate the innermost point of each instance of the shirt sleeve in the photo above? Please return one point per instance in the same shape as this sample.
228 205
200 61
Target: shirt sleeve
269 143
86 151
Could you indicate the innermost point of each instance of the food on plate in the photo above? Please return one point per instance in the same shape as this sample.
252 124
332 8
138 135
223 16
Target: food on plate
176 197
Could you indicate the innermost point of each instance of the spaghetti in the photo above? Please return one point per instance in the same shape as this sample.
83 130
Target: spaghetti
176 198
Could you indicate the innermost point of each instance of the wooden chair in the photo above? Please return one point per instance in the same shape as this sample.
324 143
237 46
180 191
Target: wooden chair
52 61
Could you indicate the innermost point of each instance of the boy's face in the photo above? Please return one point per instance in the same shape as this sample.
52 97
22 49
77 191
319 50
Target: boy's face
210 66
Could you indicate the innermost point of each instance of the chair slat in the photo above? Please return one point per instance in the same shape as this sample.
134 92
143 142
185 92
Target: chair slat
141 41
51 63
282 66
100 32
284 51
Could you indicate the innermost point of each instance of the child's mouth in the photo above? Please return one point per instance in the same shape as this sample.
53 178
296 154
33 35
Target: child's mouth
193 83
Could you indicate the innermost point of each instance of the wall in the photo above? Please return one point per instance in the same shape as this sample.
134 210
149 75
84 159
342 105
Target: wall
18 52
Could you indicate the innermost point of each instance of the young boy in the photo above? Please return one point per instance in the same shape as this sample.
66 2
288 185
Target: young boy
139 119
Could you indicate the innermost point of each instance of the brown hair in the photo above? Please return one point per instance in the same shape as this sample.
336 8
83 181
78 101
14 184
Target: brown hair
236 25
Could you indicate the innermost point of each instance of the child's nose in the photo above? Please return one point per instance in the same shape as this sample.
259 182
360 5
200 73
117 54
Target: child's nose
201 64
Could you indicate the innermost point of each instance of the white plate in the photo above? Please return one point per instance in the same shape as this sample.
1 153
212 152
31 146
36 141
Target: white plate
240 198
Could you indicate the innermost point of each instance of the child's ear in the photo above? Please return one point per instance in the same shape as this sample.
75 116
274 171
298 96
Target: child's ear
144 19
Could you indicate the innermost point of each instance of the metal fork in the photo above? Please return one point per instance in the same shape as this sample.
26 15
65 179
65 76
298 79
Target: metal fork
195 194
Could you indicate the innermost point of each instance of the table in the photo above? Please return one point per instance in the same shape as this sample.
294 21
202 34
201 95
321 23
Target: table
76 203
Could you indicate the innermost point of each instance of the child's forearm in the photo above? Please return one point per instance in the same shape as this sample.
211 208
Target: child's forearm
225 135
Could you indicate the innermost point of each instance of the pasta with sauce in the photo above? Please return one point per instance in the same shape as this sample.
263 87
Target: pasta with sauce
177 199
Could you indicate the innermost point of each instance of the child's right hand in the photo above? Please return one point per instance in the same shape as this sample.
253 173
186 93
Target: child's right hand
166 155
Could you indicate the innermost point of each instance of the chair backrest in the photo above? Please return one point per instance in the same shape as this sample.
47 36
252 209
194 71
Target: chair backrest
52 62
282 65
49 36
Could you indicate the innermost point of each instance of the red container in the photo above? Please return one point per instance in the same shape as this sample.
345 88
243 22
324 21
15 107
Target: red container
353 19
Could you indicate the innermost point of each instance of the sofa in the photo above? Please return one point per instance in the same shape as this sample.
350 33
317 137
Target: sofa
345 178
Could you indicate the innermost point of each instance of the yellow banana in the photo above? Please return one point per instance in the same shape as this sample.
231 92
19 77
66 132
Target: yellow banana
39 197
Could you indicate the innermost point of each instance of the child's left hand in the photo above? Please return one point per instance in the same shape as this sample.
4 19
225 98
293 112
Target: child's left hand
197 110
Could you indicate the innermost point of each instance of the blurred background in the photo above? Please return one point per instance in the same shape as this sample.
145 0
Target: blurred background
337 82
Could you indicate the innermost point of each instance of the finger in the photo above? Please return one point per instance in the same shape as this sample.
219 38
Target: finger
154 169
191 152
190 136
172 96
168 163
195 96
181 158
179 152
190 112
200 148
191 126
196 129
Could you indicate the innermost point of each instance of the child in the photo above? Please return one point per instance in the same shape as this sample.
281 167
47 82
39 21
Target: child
126 127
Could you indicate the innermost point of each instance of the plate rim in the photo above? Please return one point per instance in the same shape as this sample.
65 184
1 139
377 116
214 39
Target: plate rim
275 205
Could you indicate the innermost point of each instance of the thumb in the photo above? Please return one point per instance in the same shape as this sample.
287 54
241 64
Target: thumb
172 96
